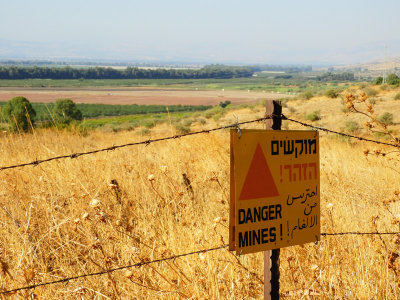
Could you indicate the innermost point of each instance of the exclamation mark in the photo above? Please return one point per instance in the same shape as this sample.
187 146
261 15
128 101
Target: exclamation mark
287 228
280 225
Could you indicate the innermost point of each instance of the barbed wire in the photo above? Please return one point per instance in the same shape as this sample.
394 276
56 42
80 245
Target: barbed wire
358 233
148 142
143 263
139 264
339 133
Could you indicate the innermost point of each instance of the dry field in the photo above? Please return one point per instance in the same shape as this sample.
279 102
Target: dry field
75 216
134 95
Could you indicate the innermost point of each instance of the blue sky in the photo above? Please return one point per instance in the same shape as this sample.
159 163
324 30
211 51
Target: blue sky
302 31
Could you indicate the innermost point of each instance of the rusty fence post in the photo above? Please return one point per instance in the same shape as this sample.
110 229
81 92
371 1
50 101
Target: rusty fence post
273 109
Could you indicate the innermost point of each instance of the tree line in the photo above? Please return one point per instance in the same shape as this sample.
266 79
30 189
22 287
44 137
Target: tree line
329 76
278 68
211 71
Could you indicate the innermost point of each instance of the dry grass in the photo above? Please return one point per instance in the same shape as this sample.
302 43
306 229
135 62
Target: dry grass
332 110
53 228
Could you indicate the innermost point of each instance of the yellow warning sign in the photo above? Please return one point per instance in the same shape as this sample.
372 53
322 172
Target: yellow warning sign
275 189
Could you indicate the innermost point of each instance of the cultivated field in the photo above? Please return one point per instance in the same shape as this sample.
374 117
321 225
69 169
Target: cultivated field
76 216
135 95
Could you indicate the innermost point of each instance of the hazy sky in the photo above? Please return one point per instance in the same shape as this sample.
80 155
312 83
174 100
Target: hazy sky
302 31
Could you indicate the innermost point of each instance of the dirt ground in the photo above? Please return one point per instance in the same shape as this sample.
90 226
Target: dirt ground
136 95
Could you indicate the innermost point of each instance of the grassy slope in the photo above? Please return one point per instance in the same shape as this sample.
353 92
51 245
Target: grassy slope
61 234
52 229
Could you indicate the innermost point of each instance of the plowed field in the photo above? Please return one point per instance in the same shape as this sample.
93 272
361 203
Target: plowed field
135 95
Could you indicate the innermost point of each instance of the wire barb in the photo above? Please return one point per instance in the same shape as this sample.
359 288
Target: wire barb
237 126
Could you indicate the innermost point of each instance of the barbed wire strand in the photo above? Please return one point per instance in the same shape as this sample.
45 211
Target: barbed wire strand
171 258
339 133
358 233
139 264
148 142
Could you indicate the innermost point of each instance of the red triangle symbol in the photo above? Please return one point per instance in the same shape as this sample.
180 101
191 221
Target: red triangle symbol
259 182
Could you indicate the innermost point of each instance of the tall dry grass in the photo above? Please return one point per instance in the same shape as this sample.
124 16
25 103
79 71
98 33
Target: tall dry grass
76 216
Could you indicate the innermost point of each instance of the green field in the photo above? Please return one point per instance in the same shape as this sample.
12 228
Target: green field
261 82
117 117
44 112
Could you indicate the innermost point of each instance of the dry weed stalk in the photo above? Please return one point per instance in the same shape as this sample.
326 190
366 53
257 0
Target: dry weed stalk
358 104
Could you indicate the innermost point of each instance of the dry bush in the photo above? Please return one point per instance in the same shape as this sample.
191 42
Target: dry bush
111 209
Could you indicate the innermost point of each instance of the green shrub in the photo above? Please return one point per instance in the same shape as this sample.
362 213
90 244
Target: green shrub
208 114
217 116
182 129
111 128
127 126
386 118
202 121
149 124
66 111
397 96
393 79
18 112
307 95
225 103
384 87
352 126
378 80
332 93
372 101
314 116
363 85
187 122
370 92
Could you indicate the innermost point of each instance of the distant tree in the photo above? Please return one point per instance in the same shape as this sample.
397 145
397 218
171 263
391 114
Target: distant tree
225 103
346 76
66 111
379 80
393 79
18 111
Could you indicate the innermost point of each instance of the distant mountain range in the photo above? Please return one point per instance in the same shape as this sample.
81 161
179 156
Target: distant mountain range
48 51
341 56
390 64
